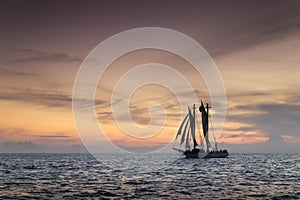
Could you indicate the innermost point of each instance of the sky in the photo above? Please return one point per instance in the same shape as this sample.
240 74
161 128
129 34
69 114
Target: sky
255 45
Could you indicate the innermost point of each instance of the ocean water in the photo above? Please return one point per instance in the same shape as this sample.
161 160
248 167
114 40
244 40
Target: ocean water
158 176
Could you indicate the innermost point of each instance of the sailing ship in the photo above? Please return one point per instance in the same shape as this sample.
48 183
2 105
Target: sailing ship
187 135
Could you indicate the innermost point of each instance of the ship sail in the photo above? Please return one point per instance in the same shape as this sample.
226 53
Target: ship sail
204 119
187 143
205 124
184 132
188 131
180 128
193 127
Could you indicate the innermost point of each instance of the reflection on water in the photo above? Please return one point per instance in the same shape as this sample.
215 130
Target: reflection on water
57 176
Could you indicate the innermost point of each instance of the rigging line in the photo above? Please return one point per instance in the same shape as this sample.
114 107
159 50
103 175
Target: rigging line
212 128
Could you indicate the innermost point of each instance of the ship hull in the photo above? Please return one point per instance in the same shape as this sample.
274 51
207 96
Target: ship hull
216 154
197 153
192 154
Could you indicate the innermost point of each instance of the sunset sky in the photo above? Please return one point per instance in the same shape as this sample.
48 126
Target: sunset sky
255 45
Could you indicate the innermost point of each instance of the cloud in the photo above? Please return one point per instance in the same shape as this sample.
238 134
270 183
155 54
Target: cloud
46 98
106 115
5 72
261 148
14 147
242 29
84 103
31 55
52 136
14 140
265 120
291 139
39 97
271 117
277 121
6 133
31 147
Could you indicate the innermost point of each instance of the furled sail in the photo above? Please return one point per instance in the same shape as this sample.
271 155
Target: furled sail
205 125
204 119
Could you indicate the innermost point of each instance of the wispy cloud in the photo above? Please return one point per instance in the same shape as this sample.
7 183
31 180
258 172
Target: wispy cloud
11 132
33 147
268 119
7 133
5 72
52 136
245 30
39 97
25 140
291 139
31 55
46 98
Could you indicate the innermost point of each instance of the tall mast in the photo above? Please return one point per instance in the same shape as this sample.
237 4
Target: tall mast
194 120
194 126
206 124
207 111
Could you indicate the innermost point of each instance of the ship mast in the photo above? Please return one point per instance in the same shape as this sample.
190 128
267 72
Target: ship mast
207 126
207 111
194 126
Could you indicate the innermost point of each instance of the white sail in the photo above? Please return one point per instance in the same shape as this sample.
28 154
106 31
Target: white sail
192 117
192 122
184 132
180 128
187 144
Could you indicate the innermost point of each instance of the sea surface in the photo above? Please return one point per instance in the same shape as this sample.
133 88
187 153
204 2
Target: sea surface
158 176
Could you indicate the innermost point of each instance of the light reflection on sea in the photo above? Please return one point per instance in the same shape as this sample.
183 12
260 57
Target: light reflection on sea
79 176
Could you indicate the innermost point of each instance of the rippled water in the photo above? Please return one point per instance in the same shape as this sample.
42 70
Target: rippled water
77 176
